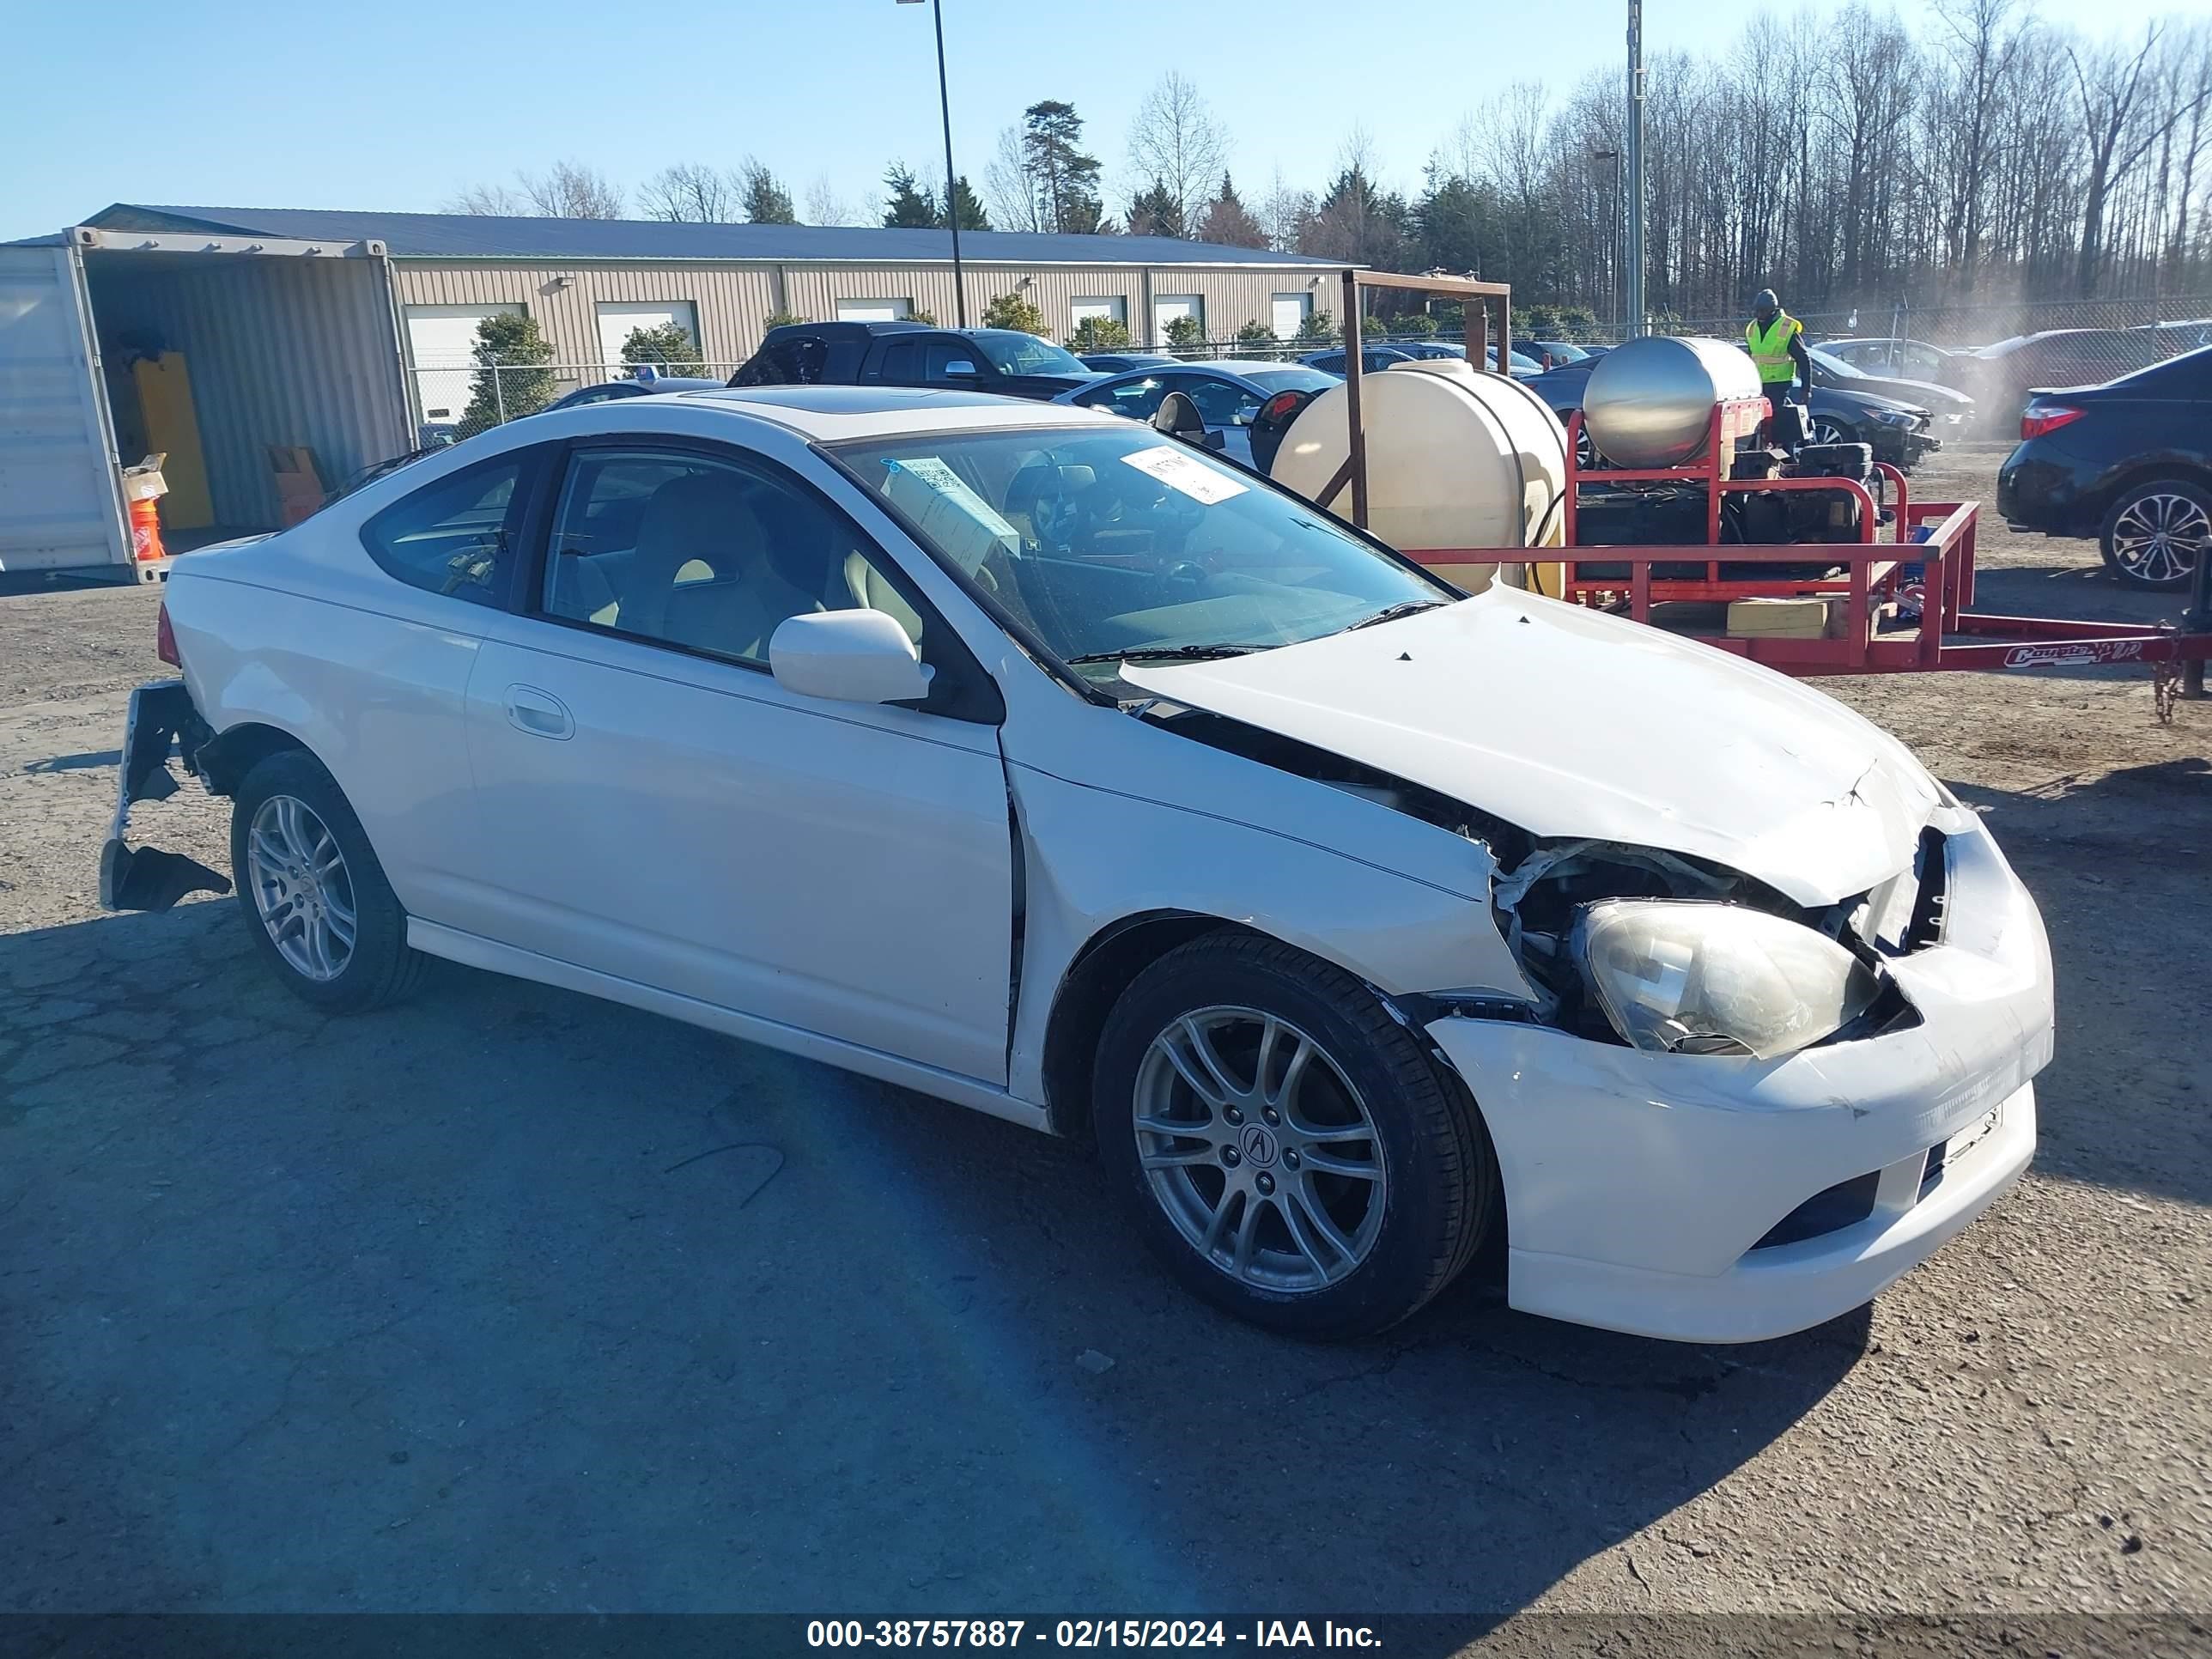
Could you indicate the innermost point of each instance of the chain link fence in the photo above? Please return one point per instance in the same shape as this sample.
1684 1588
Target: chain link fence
453 400
1996 353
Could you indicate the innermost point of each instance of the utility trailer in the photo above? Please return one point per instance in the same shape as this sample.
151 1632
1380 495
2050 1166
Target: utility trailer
1868 577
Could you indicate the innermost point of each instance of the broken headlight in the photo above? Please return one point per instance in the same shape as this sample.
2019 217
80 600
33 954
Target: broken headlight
1718 979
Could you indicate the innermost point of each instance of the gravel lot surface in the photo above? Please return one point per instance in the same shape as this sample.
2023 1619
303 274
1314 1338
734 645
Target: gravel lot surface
511 1300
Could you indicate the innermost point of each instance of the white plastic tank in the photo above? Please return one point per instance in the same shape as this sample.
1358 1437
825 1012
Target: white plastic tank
1455 459
1649 401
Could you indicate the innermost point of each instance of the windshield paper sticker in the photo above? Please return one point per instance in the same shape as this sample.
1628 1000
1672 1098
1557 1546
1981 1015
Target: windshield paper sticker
1184 472
960 522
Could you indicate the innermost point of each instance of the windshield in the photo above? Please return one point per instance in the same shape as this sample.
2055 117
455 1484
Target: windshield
1012 352
1113 540
1565 352
1289 379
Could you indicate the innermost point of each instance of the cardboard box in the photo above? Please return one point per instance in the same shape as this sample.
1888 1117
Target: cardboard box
300 490
1782 619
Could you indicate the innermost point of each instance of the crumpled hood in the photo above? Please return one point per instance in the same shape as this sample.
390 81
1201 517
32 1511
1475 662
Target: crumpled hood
1569 723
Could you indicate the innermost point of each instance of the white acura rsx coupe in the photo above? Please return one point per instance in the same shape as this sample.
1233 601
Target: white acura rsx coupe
1017 754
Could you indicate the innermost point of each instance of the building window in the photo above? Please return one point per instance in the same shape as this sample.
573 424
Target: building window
1111 307
617 322
1167 307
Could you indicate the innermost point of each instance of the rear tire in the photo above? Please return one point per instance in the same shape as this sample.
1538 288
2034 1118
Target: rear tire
2154 534
312 893
1293 1155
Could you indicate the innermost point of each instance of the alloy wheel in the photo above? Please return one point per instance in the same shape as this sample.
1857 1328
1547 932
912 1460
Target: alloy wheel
1825 431
2158 539
302 890
1259 1149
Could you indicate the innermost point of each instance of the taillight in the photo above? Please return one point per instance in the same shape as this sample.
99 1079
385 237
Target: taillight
165 638
2040 418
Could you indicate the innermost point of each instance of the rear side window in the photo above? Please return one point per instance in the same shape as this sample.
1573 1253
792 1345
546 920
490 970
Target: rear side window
457 537
901 362
794 359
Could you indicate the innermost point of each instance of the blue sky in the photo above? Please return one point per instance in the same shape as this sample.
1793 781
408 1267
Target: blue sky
371 106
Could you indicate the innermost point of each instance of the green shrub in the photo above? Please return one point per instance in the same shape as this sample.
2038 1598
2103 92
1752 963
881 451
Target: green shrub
508 381
667 347
1011 311
1099 334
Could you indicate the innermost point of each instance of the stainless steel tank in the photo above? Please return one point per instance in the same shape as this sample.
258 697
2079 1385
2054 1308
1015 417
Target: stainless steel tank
1649 400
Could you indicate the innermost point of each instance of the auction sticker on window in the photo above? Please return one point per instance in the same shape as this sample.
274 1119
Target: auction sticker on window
1179 471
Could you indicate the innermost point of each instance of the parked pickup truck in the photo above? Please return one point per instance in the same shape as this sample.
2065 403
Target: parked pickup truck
1001 360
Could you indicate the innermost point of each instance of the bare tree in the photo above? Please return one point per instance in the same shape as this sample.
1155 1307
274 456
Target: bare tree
569 189
2121 126
1015 204
690 191
824 206
491 201
1177 146
1282 210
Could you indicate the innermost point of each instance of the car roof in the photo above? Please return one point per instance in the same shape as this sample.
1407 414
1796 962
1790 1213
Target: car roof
831 414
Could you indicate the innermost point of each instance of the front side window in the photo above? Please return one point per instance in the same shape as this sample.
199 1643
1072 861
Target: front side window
1140 399
901 364
458 536
938 357
1220 402
1113 541
1012 352
689 550
1301 379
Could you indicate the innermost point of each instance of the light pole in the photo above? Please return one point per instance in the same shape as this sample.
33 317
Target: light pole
1634 284
1612 231
951 178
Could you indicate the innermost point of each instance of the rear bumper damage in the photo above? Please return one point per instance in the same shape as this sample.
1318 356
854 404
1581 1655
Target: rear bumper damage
161 721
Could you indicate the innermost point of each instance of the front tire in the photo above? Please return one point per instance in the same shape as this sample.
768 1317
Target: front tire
1293 1154
311 892
2154 534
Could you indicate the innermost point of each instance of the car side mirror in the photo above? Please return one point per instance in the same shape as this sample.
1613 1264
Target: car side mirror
848 656
960 366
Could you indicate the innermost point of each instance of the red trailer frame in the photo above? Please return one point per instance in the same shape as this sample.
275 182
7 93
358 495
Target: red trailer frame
1948 636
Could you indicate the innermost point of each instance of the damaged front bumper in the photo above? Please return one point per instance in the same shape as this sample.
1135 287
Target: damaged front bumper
1721 1198
161 719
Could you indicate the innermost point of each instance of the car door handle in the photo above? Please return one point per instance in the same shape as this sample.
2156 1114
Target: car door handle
540 713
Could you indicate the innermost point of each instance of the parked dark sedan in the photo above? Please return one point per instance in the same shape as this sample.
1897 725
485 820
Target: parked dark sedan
1120 362
607 391
1371 359
1899 359
2000 376
1952 411
1228 393
2129 462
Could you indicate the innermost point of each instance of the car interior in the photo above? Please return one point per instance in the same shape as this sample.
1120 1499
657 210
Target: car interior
1096 555
703 555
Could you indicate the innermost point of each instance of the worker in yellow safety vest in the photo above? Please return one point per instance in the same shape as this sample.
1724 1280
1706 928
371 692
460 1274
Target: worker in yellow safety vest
1775 341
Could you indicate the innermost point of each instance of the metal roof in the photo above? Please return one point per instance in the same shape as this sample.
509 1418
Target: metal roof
484 236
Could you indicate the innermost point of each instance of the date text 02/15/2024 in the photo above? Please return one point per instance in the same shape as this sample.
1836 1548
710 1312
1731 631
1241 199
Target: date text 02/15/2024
1080 1633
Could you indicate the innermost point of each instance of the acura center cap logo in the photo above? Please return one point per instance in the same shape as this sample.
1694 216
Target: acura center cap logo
1259 1146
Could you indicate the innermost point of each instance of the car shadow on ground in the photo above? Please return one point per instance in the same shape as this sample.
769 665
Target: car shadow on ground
510 1299
2113 859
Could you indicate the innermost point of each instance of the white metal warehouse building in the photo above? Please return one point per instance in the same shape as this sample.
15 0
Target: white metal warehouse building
217 333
